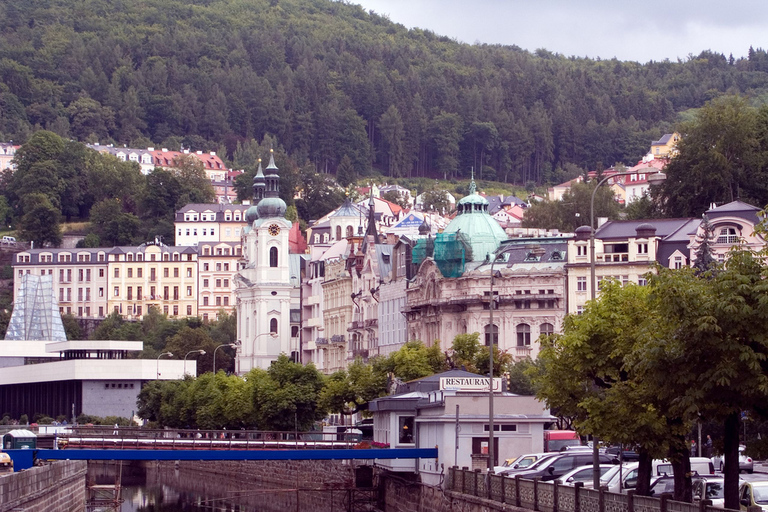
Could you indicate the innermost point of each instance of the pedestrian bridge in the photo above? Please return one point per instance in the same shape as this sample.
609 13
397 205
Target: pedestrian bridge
136 444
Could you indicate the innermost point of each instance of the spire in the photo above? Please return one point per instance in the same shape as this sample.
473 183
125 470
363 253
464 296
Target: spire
472 186
272 178
372 219
258 184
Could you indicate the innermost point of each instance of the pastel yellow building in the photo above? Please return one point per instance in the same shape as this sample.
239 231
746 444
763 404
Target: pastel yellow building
152 276
666 146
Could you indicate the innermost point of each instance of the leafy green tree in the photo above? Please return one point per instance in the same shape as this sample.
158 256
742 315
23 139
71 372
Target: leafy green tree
714 333
72 327
285 396
720 159
445 130
345 172
435 201
393 133
518 377
40 221
584 374
573 210
112 225
465 351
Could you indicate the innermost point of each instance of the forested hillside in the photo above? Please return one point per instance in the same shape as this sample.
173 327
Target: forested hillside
327 79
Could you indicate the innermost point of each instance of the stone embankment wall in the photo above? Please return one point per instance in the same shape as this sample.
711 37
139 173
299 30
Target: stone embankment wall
317 486
55 487
401 495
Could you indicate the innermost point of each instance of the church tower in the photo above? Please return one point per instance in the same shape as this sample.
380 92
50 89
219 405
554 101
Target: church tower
264 287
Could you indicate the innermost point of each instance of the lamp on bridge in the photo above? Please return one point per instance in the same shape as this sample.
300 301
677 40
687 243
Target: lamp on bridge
169 354
200 352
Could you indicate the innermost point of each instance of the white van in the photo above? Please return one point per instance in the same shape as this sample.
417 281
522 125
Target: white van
9 240
699 465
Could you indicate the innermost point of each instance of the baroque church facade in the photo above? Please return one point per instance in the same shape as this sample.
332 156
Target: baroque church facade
263 284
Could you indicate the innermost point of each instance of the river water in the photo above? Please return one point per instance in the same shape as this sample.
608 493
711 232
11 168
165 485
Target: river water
166 489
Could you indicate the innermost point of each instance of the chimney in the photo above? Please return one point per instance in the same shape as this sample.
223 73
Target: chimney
199 152
150 149
213 153
165 150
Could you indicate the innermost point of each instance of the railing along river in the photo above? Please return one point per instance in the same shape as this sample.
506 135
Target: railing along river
553 497
183 439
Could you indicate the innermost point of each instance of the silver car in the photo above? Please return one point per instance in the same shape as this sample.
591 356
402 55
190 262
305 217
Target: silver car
745 462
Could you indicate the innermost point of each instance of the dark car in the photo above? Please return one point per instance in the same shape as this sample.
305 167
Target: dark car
557 466
625 455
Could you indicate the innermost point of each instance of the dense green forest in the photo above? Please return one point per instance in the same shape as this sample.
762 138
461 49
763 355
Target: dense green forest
328 80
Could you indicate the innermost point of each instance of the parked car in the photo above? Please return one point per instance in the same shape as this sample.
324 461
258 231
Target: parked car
555 467
582 474
608 475
626 455
9 240
662 485
520 462
709 489
628 475
754 494
527 462
6 463
745 462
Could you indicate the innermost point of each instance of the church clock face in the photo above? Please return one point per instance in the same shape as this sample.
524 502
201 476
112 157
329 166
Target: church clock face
274 230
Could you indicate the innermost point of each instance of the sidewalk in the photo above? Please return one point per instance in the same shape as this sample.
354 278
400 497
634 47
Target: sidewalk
760 466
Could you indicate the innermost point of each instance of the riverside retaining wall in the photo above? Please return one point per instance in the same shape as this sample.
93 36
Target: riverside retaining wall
55 487
317 486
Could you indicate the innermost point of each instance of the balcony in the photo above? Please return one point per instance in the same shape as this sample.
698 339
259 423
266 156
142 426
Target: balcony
337 338
356 325
372 322
321 341
613 257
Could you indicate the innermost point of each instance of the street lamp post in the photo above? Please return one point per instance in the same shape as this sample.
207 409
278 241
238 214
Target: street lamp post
169 354
231 345
653 179
199 352
491 307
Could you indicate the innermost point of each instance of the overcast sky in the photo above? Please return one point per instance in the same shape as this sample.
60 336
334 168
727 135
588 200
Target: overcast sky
627 30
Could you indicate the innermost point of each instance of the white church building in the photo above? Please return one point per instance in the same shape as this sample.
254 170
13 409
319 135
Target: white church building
264 285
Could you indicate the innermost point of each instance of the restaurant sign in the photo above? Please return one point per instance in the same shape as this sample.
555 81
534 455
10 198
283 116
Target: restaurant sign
469 384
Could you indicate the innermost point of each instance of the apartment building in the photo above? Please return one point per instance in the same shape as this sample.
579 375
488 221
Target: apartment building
218 265
197 223
79 278
152 276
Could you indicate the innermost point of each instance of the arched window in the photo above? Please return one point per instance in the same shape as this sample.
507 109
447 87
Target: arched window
338 232
523 335
273 257
488 331
547 329
273 325
350 231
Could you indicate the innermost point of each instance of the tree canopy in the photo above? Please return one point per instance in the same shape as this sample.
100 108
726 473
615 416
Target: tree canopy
330 79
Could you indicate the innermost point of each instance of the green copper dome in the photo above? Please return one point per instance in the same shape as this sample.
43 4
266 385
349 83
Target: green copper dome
251 214
482 231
